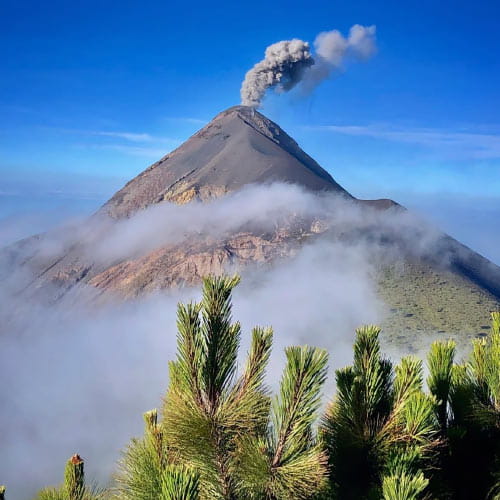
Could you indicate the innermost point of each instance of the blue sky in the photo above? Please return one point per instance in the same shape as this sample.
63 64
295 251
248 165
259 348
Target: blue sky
93 92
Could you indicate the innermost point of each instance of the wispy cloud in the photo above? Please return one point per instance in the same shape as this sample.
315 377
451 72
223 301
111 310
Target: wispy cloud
474 145
136 137
130 143
187 119
141 137
142 151
128 136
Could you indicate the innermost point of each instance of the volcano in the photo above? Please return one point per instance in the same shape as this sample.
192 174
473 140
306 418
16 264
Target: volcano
240 146
448 287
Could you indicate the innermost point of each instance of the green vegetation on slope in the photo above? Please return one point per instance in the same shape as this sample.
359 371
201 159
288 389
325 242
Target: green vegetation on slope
426 304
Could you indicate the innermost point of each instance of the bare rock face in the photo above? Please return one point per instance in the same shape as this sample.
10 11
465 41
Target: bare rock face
185 265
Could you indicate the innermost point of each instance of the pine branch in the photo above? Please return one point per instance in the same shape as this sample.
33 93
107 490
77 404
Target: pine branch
154 436
247 405
440 363
190 349
258 357
221 338
404 486
179 483
296 406
74 478
408 379
461 395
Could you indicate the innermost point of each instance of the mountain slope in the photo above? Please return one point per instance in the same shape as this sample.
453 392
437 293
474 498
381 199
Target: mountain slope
238 147
438 287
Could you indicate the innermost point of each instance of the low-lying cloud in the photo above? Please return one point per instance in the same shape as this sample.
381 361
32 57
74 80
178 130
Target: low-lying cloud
254 208
76 378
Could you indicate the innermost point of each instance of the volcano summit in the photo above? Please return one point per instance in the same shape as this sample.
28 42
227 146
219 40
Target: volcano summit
240 146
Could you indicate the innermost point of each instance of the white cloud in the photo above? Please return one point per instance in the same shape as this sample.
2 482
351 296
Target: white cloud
142 151
128 136
472 144
82 365
187 119
143 144
135 137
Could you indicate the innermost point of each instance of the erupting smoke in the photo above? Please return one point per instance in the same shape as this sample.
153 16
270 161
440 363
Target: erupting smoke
282 68
288 63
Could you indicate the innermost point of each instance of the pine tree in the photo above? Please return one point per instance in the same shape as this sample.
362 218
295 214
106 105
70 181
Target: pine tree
468 397
381 425
207 407
225 426
222 435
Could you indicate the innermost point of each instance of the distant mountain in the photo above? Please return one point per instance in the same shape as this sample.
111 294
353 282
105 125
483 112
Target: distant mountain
449 287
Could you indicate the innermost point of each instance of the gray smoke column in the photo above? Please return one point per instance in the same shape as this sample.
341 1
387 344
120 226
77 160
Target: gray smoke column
282 68
288 63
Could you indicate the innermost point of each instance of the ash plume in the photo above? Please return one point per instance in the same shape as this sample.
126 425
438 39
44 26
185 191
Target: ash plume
282 68
289 63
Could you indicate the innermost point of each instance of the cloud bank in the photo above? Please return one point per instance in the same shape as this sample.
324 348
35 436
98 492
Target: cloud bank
77 378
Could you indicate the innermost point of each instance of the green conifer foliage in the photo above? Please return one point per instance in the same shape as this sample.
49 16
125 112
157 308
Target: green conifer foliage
469 415
404 486
74 487
52 494
380 427
208 407
287 461
226 427
179 483
74 478
140 470
440 381
221 435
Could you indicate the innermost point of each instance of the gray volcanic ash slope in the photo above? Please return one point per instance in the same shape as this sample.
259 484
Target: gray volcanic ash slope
213 205
239 147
